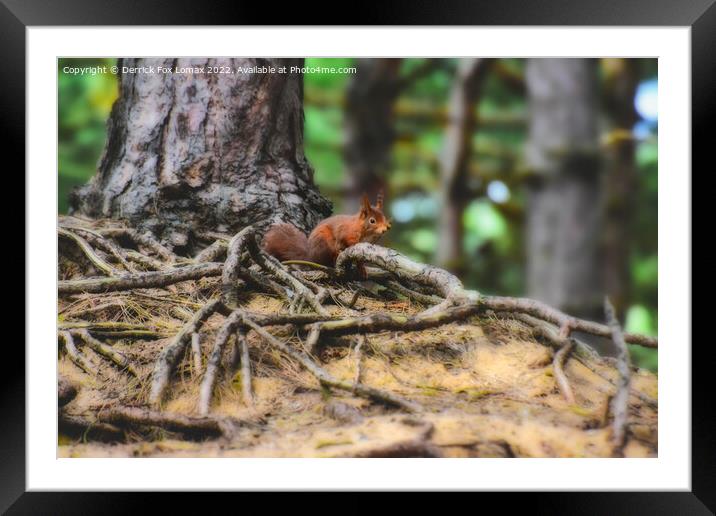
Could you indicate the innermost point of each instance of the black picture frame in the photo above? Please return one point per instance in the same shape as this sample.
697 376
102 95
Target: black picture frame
700 15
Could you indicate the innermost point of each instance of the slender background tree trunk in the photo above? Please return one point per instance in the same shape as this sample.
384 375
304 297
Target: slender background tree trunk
622 79
189 152
564 197
455 160
369 131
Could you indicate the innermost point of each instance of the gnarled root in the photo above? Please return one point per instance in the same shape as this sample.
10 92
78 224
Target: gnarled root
152 279
554 316
145 239
247 266
196 427
445 284
324 377
245 240
97 261
74 354
106 352
620 402
207 385
558 369
171 354
451 289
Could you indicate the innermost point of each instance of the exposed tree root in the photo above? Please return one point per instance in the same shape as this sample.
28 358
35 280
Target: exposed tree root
232 266
450 288
308 264
156 279
212 367
620 402
558 368
119 254
246 391
419 446
106 326
552 334
416 448
312 338
325 378
197 427
213 253
288 319
552 315
447 285
74 354
113 330
171 354
90 253
106 352
583 353
272 266
248 268
397 322
143 239
88 428
358 357
235 268
147 262
196 352
425 299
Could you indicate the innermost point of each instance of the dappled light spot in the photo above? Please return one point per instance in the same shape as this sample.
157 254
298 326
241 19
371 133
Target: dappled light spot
498 192
646 100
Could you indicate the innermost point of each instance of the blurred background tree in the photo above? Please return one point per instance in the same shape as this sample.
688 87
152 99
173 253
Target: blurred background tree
564 186
450 140
84 103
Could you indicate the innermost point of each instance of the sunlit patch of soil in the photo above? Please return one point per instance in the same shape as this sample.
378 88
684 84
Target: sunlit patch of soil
486 387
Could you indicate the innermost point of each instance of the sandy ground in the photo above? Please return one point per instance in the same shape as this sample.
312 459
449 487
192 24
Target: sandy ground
486 388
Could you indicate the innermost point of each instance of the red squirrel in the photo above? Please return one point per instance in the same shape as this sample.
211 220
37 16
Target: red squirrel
329 237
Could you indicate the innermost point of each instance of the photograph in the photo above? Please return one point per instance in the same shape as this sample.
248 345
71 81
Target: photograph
375 257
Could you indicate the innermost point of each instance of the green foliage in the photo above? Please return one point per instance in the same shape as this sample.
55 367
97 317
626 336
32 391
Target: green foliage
483 222
432 87
327 80
642 315
642 319
323 137
84 103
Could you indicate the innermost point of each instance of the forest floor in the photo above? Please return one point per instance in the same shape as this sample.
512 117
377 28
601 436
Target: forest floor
485 385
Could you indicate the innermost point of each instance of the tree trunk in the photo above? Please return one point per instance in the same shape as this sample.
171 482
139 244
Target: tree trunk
369 127
621 84
190 152
564 197
455 160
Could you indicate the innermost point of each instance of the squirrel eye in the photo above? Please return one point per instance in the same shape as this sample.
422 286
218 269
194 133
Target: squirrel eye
372 220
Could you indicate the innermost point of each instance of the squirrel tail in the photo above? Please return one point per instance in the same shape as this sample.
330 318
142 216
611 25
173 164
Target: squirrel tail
285 242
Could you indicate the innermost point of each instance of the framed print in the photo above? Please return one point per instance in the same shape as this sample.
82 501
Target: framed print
378 257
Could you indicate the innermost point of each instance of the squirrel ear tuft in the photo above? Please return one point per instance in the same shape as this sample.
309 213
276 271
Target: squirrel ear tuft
379 200
364 205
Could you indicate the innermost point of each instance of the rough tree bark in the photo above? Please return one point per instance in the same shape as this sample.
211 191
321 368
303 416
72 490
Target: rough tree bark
622 79
564 197
369 130
188 152
455 160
